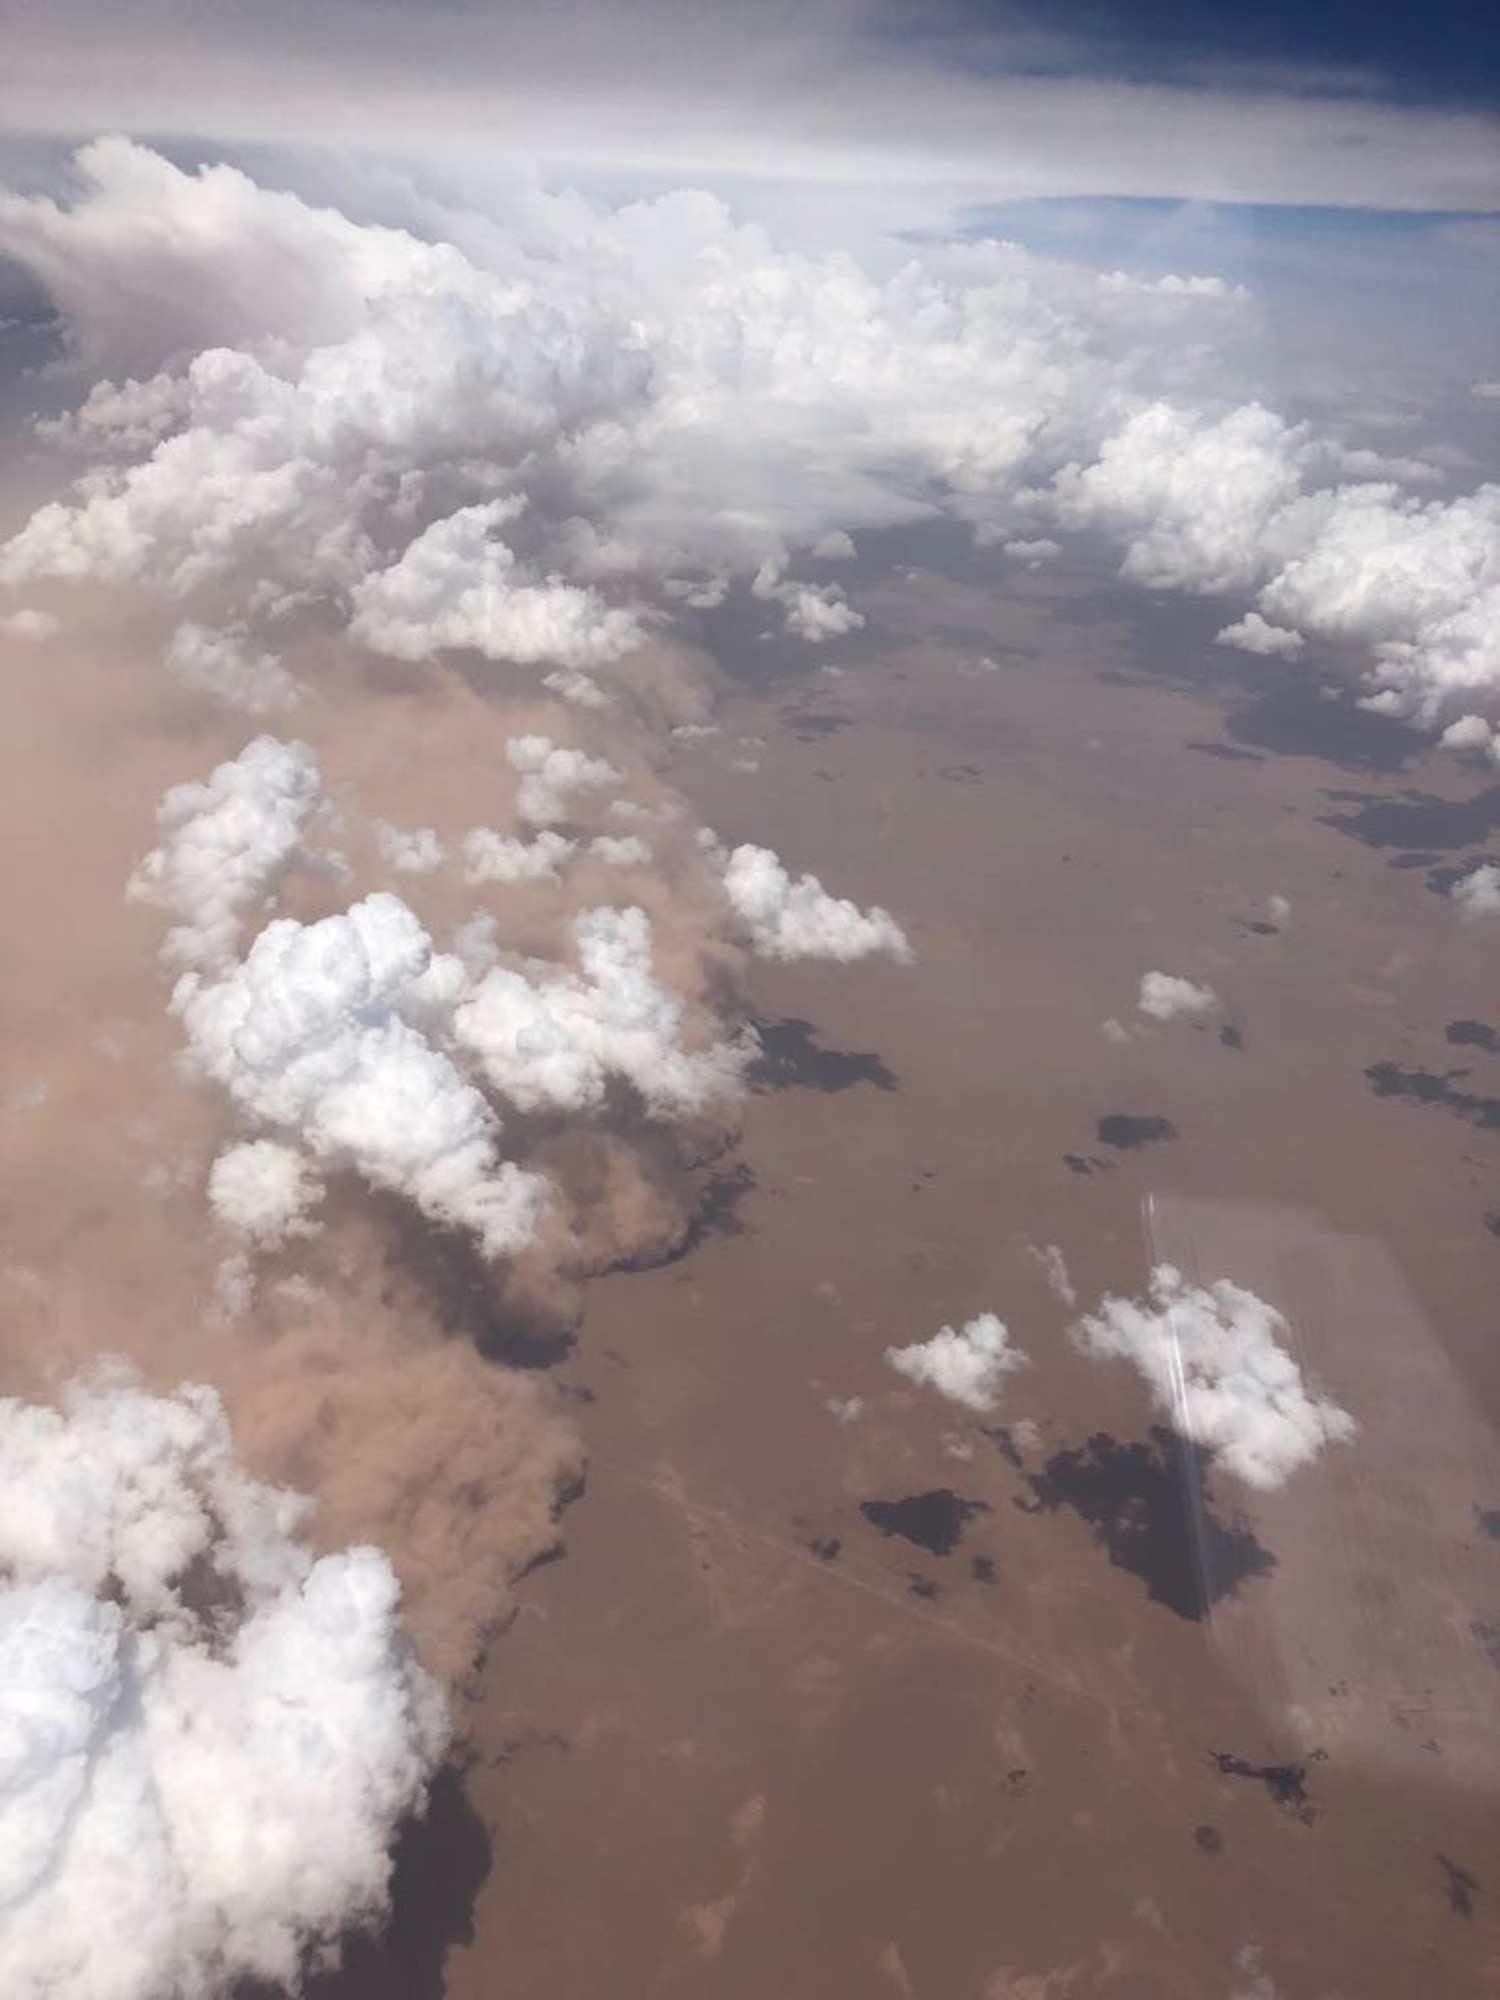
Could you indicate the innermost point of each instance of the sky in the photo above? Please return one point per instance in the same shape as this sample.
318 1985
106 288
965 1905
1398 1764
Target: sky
402 406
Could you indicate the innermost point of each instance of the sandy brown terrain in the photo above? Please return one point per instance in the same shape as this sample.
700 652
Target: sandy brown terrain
825 1702
745 1739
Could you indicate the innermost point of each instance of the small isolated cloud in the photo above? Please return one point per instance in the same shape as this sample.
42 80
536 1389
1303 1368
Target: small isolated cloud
226 843
1280 908
264 1191
26 624
845 1409
620 850
1216 1362
965 1364
1485 392
226 665
496 857
550 775
1035 554
1167 997
1116 1032
418 852
1472 732
813 612
1055 1270
1477 894
456 586
1254 634
209 1737
788 919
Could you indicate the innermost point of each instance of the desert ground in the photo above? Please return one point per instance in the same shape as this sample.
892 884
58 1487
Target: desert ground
828 1697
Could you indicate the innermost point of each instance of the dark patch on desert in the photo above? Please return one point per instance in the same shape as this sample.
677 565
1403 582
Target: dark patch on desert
1473 1035
1128 1131
441 1863
1227 753
1231 1037
934 1521
1285 1784
1415 819
1459 1888
791 1058
1149 1508
1440 1088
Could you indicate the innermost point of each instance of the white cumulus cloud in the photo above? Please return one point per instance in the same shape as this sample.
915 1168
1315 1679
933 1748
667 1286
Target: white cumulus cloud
263 1190
207 1737
226 843
320 1033
1477 894
1252 634
226 665
1166 996
1216 1361
550 1039
799 919
966 1364
414 851
457 585
551 774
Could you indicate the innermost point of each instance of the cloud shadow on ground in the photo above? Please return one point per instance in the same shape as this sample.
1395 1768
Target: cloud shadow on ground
1149 1508
790 1059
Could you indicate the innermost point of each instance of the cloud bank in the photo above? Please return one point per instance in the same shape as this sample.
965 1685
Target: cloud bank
539 446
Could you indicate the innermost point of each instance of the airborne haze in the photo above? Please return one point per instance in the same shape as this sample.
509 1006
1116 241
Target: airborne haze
736 741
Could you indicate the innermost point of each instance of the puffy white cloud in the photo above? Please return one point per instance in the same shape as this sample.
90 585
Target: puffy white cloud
225 664
28 624
207 1737
1036 553
494 857
813 612
121 417
966 1364
1165 996
1417 581
1279 908
456 585
414 852
319 1033
1477 894
552 1040
620 850
1192 496
263 1190
788 919
1472 732
226 843
549 774
1216 1362
1252 634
